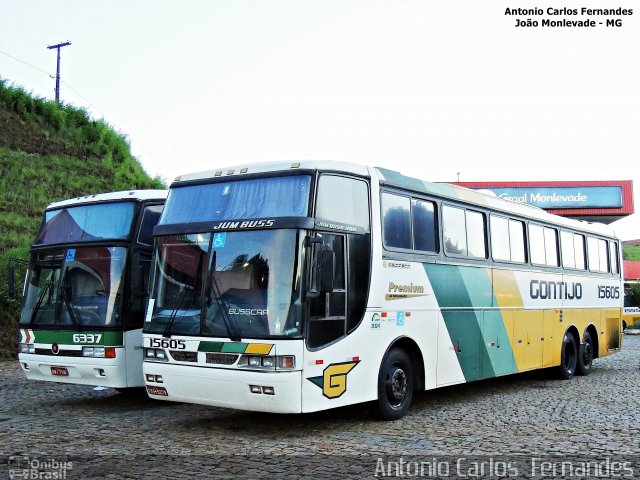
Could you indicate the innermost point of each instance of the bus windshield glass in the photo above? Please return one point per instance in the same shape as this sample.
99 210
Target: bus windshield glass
87 223
75 287
242 199
227 284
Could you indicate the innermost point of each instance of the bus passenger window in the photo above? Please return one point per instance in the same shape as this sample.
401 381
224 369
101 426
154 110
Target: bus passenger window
424 225
507 240
476 238
568 250
613 257
604 257
578 244
455 236
500 249
464 232
598 255
396 221
543 242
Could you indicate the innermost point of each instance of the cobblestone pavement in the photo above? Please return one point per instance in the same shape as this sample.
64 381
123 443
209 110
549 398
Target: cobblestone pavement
513 420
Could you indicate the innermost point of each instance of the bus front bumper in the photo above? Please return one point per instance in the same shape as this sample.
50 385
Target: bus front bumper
279 392
104 372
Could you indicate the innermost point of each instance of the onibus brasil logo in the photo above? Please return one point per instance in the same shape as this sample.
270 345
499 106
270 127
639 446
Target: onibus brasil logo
333 381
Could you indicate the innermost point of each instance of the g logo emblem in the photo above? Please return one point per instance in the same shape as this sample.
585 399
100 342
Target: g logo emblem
333 381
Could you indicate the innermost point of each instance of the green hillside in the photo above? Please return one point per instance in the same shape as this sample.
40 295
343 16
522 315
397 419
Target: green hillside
631 251
49 153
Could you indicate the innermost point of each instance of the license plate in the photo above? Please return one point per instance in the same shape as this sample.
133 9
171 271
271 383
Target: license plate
161 391
60 371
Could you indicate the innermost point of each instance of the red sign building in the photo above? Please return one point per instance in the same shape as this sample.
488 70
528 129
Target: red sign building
603 201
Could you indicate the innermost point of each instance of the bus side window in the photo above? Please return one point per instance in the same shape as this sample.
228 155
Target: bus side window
396 220
327 310
150 218
455 236
423 217
613 258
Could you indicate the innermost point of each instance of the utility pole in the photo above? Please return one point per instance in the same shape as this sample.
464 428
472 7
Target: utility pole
58 47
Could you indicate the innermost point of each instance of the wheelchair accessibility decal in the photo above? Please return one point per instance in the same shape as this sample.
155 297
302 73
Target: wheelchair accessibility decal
333 381
219 239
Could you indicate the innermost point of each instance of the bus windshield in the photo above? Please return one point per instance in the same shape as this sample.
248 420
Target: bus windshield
227 284
248 198
75 287
87 223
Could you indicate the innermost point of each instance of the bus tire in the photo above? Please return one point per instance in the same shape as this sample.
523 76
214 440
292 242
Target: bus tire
568 357
395 385
585 357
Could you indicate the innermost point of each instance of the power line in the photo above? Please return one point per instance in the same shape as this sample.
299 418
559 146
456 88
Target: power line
144 147
83 98
25 63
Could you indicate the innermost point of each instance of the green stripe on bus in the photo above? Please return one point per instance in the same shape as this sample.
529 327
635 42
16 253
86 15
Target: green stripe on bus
224 347
236 347
411 183
478 333
210 346
85 337
494 340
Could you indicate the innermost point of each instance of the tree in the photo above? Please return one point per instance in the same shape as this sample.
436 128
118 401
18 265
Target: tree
632 295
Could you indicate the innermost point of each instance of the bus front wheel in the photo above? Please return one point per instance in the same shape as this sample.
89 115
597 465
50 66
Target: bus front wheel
568 357
395 386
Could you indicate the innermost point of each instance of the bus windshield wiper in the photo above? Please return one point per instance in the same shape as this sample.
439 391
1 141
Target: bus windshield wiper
232 331
174 312
47 288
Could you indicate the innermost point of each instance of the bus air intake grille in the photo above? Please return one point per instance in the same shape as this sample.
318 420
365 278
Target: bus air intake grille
222 358
180 356
61 352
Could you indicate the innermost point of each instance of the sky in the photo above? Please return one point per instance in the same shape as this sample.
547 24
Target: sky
437 89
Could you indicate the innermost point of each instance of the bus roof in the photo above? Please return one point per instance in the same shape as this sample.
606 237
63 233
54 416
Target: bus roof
282 166
111 197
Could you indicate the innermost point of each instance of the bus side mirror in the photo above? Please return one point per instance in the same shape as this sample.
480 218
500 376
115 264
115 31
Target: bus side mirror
323 267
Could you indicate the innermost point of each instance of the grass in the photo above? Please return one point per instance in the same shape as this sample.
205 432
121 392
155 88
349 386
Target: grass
50 152
631 252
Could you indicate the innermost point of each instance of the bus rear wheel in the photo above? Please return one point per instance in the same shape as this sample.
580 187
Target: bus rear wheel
395 386
568 357
585 358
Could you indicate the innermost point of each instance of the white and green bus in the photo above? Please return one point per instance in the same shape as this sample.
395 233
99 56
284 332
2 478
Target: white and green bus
86 290
305 286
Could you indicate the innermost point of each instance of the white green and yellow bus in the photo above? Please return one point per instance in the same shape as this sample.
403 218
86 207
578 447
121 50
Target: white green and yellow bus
86 290
631 318
298 287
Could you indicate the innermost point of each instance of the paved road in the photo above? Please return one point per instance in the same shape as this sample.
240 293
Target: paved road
503 426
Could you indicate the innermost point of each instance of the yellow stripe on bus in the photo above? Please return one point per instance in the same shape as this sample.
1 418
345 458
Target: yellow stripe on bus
259 348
